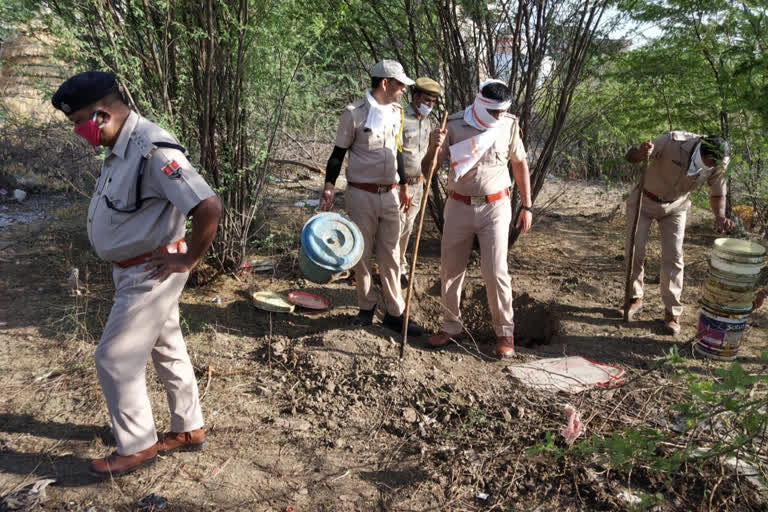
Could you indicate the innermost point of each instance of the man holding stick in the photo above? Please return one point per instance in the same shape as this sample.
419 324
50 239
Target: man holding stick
481 140
679 162
416 130
377 189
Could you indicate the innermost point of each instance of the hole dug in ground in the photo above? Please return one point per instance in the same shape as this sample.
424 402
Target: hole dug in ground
536 323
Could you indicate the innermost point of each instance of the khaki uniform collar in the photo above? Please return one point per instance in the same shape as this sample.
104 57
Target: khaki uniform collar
410 111
125 135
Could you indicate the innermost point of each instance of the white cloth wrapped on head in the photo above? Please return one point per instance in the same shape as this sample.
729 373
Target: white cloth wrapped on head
697 164
465 154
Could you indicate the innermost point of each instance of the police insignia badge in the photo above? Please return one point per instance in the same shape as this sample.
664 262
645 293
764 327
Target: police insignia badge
172 169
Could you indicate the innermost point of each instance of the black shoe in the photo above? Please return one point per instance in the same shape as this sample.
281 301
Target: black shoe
364 318
404 283
396 324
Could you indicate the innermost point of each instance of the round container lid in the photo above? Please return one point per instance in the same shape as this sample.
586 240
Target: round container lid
738 247
332 241
271 301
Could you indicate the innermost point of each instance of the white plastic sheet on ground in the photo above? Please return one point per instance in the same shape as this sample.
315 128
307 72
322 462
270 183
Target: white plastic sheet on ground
572 374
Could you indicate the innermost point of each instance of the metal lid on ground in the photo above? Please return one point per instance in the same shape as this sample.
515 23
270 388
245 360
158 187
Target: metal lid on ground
332 241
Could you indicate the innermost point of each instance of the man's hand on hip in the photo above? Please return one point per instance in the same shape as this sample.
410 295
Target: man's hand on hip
164 264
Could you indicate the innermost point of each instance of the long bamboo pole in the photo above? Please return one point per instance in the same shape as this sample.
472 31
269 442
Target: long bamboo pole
632 236
412 273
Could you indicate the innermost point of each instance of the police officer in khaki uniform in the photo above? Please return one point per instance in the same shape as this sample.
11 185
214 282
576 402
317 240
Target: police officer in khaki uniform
679 162
376 188
480 141
136 220
416 130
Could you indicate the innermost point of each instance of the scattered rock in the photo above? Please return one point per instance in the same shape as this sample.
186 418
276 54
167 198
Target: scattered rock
19 195
278 348
629 497
330 387
293 424
410 415
152 502
507 415
26 498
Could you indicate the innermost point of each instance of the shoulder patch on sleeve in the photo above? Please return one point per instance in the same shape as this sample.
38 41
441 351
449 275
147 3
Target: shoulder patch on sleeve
172 169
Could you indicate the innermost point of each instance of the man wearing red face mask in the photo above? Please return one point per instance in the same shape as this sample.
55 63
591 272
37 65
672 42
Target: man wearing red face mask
136 220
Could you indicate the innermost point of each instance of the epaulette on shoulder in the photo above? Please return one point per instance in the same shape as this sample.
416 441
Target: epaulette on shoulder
357 104
681 136
146 134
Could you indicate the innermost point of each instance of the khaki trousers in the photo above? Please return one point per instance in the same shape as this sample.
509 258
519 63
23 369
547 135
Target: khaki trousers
144 322
406 223
490 222
671 218
378 217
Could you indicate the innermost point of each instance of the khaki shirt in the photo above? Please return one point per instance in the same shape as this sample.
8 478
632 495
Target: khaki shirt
415 141
170 189
372 156
490 174
667 175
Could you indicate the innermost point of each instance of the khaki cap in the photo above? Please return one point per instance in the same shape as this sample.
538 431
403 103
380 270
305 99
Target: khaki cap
390 69
427 85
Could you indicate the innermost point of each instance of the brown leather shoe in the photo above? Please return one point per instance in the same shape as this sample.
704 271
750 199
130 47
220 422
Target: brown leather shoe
439 340
116 465
671 323
191 441
635 307
505 346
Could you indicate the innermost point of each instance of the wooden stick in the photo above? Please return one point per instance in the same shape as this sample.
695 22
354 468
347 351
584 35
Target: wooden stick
416 243
632 236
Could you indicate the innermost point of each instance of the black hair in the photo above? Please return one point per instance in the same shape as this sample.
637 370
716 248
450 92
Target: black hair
114 96
376 80
497 92
715 146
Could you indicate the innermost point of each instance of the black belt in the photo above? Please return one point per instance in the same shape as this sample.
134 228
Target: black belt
654 197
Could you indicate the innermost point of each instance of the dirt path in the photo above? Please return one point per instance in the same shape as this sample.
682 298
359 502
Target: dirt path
305 411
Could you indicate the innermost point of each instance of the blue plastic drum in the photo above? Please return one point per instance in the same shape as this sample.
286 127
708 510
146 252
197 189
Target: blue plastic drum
330 243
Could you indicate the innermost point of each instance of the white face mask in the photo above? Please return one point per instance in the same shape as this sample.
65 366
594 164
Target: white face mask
424 109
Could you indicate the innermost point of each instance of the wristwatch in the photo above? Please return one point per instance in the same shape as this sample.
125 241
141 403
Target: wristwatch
527 208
